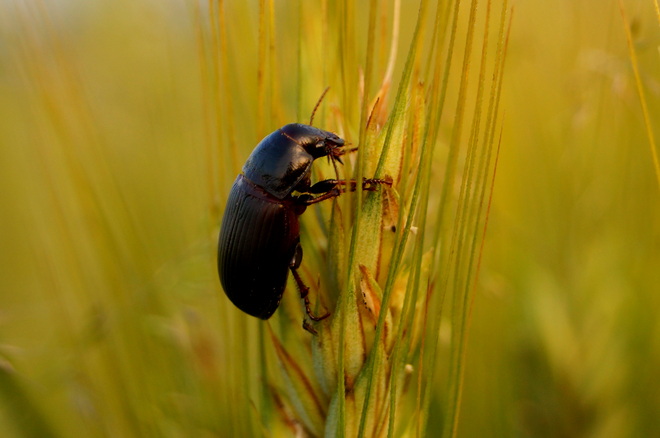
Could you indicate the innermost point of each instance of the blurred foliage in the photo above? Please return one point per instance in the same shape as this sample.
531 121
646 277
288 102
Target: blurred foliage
112 322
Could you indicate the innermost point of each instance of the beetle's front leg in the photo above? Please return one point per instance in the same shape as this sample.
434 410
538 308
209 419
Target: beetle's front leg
368 184
326 189
327 185
331 188
324 186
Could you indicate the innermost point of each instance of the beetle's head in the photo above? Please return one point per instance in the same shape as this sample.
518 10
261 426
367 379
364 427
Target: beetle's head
325 144
332 146
316 142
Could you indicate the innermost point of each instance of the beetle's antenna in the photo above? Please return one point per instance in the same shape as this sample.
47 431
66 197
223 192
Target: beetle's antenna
311 119
290 138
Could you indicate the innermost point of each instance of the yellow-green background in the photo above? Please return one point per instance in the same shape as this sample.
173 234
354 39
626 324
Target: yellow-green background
110 312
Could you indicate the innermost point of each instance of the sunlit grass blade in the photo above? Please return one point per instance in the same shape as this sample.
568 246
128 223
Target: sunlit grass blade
506 280
305 396
410 326
347 291
640 91
471 208
396 119
464 233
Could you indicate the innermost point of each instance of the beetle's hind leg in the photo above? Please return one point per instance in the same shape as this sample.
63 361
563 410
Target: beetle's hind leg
304 290
304 295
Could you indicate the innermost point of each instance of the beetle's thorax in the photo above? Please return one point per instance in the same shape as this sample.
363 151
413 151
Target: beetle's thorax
277 164
284 158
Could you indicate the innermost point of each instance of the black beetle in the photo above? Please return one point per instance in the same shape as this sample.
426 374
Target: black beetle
260 236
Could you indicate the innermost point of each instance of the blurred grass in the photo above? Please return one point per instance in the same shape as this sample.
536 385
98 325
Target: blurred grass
112 322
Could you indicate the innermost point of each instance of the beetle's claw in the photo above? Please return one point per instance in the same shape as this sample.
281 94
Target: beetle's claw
371 184
387 180
307 326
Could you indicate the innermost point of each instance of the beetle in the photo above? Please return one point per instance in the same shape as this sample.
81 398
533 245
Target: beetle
259 241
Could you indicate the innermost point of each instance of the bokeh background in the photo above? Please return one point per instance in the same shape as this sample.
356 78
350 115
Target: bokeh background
109 306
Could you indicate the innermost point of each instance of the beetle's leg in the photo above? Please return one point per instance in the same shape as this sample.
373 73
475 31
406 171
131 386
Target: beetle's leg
331 188
304 290
368 184
324 186
326 189
308 200
304 295
307 326
327 185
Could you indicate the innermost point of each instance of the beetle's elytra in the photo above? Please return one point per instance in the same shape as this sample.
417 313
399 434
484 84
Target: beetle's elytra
260 235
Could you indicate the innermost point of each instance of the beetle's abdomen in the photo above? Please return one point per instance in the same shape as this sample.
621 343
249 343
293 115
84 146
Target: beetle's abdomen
257 243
